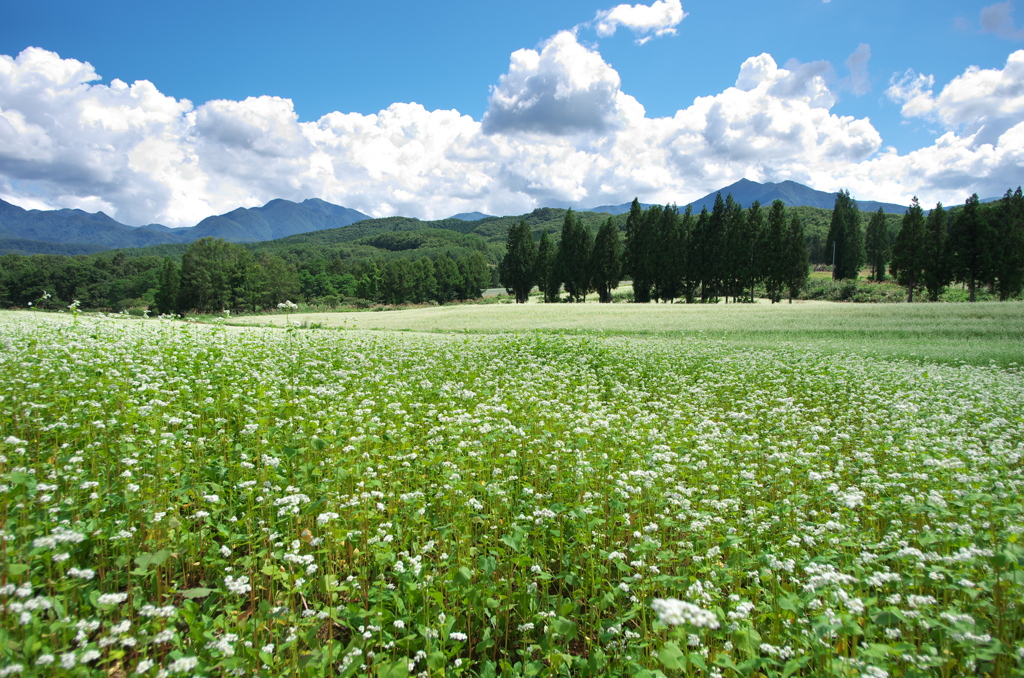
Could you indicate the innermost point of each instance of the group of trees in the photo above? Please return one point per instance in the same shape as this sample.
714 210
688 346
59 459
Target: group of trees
215 275
726 251
976 245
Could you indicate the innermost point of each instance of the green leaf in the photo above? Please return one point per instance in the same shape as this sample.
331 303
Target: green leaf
463 576
197 593
747 641
564 626
436 660
400 669
671 657
794 665
17 569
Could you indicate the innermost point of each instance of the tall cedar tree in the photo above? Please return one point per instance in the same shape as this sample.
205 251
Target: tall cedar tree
573 259
606 261
712 252
908 255
936 253
774 269
735 252
797 258
518 267
877 245
1009 264
754 226
638 256
547 280
668 283
167 289
685 258
846 237
654 256
972 244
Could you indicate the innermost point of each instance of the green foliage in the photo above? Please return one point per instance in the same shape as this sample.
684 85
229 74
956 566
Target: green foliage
639 252
573 258
972 243
877 246
909 254
606 261
937 274
846 235
382 504
518 268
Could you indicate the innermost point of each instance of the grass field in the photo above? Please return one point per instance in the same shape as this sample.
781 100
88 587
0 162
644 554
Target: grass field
180 499
951 333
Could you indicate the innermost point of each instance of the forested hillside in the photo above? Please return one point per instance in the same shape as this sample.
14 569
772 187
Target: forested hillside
386 260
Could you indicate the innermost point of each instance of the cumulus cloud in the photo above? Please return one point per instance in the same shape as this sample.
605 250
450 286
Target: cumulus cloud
563 89
998 19
980 103
660 18
558 131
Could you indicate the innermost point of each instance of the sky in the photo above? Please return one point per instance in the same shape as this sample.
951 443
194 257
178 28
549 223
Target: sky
172 112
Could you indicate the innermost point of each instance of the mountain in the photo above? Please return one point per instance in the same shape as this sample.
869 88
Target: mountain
277 219
614 209
69 230
470 216
745 192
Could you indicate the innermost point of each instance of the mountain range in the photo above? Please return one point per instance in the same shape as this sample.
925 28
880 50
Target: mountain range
745 192
72 231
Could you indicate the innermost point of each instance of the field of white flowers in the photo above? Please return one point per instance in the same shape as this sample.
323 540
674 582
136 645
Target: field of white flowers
191 500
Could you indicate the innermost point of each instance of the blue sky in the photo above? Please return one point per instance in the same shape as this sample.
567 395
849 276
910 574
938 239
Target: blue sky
296 90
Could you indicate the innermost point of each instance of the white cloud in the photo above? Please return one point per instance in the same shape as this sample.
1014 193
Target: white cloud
859 82
981 103
563 89
660 18
998 19
558 131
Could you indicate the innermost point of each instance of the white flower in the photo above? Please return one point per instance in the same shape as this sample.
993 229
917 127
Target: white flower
268 648
238 586
673 612
144 666
183 665
112 598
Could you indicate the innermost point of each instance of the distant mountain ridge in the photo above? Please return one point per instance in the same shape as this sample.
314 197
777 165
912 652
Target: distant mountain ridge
70 231
793 194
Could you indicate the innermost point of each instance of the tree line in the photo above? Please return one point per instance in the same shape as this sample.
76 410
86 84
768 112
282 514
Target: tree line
213 275
977 246
723 252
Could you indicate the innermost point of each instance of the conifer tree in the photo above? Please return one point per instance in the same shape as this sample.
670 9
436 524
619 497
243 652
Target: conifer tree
736 252
685 258
877 246
908 255
972 244
1009 234
846 237
774 270
797 262
546 275
668 282
936 253
711 243
753 259
518 268
638 255
573 258
166 298
606 260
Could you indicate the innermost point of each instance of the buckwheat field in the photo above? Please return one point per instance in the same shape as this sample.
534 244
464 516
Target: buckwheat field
180 499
